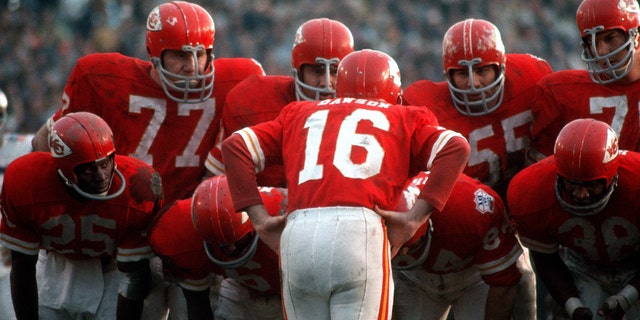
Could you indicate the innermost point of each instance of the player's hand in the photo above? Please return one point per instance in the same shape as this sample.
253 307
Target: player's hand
269 228
614 307
582 313
401 226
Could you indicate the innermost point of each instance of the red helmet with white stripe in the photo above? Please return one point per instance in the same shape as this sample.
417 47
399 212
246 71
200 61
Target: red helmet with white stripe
182 26
216 220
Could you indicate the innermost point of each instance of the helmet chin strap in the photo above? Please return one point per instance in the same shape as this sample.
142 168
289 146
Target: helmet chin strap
423 255
94 196
237 263
585 210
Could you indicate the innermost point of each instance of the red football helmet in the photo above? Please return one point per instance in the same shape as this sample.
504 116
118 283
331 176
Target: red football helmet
322 41
188 27
586 150
80 138
219 224
594 16
369 74
468 44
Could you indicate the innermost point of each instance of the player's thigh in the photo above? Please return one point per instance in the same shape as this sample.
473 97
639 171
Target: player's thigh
334 256
411 302
471 305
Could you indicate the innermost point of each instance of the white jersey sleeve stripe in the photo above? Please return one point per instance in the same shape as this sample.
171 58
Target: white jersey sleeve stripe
502 263
253 145
537 246
19 245
442 141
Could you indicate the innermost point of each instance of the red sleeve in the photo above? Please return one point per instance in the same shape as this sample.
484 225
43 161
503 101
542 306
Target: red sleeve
448 164
240 173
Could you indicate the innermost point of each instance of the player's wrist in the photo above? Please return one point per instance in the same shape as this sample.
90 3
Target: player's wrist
572 304
630 295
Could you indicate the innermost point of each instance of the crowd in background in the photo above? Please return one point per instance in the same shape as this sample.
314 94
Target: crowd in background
42 39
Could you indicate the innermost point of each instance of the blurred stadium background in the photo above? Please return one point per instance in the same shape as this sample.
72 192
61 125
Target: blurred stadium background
41 39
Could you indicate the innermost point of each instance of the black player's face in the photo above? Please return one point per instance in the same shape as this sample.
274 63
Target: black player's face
95 178
584 192
236 249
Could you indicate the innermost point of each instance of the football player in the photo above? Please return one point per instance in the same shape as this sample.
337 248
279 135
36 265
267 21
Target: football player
346 160
203 237
86 210
581 222
318 46
608 91
486 98
166 111
464 260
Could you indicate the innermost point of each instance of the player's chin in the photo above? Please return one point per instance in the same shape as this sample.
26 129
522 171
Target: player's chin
101 188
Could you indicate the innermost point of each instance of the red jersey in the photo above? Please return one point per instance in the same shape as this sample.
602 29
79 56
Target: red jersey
174 138
40 212
472 230
499 139
256 99
175 240
346 152
608 238
571 94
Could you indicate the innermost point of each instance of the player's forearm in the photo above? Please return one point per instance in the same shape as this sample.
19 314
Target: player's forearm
24 290
419 214
444 172
555 275
240 173
500 301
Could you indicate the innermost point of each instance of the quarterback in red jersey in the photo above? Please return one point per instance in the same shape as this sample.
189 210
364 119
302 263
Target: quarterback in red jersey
464 259
318 47
165 112
581 222
84 208
346 160
203 236
608 91
485 97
